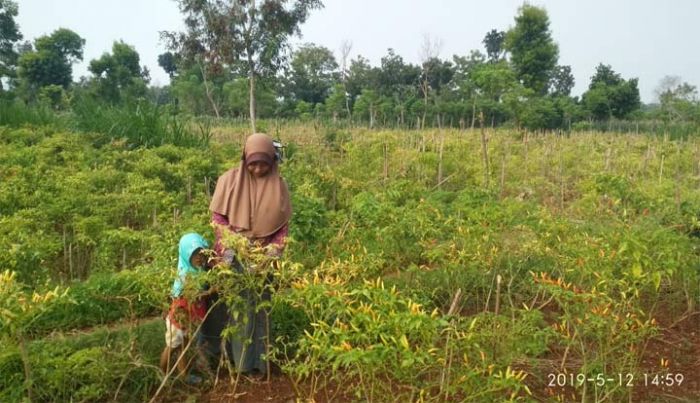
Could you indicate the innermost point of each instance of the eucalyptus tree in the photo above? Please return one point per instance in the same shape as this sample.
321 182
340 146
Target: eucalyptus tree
248 36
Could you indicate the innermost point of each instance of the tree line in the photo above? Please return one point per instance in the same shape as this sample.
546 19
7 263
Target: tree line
234 60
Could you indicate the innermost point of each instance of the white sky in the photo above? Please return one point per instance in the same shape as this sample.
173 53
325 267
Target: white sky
647 39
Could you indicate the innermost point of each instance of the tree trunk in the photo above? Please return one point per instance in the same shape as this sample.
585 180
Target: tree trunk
425 109
442 145
251 80
251 68
473 112
347 101
207 90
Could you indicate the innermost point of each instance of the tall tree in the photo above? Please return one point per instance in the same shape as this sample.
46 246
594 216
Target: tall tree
562 81
465 69
345 48
248 33
360 76
430 50
119 76
495 83
533 52
609 95
336 102
51 61
399 81
168 62
678 99
9 36
313 73
493 42
394 73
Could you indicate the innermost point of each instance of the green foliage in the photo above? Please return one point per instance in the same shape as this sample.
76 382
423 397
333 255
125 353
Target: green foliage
312 73
609 95
70 209
678 100
493 42
17 113
533 52
105 364
51 61
118 77
574 246
105 298
9 36
388 344
168 61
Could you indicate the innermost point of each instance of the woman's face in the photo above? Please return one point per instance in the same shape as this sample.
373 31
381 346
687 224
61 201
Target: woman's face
258 168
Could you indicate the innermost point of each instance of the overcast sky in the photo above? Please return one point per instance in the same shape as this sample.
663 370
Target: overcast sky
639 38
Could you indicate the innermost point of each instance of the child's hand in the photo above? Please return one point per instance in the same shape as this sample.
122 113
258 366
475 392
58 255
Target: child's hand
209 292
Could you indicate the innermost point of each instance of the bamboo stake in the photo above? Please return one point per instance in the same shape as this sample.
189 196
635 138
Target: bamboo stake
498 294
484 150
24 353
445 375
386 162
442 144
506 151
65 250
561 178
70 260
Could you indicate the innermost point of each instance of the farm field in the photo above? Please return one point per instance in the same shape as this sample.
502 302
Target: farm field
431 265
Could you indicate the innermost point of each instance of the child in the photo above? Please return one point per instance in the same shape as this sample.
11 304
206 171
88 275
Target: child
183 313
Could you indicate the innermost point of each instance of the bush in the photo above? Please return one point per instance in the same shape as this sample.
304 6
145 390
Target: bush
105 298
100 366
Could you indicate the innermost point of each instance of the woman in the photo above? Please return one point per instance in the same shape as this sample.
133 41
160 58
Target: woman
251 200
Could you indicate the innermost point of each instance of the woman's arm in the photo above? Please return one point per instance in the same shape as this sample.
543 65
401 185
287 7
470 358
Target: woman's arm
219 219
221 222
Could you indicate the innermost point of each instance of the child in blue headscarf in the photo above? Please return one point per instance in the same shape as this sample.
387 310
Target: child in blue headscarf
183 313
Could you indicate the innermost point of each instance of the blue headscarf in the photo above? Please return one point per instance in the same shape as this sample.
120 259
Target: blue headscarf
189 243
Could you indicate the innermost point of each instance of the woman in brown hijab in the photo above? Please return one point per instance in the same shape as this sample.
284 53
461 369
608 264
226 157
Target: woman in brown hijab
251 200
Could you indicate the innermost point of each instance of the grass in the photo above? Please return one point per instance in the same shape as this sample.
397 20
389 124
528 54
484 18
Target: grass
15 114
141 124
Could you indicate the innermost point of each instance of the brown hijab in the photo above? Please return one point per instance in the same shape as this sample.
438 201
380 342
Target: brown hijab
257 206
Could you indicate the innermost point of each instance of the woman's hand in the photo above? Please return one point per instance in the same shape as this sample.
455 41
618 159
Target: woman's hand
273 251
